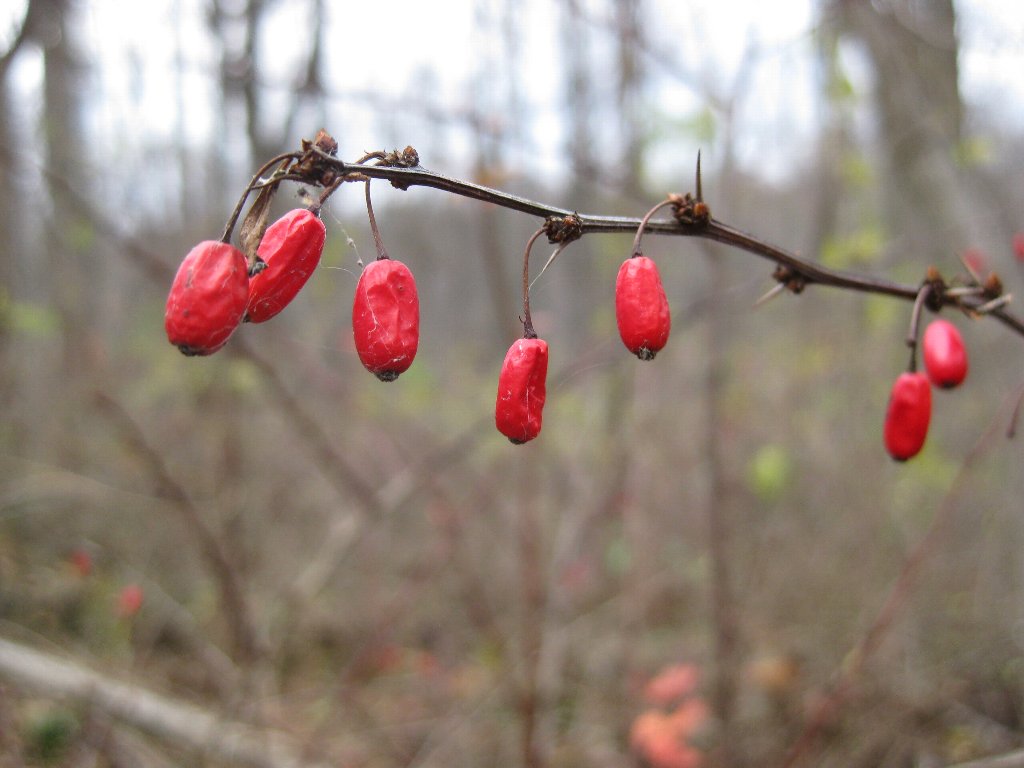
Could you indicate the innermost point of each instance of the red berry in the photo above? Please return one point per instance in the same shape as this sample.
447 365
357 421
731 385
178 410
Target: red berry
945 357
207 298
81 561
129 601
641 308
291 247
386 318
976 260
907 416
522 388
1018 246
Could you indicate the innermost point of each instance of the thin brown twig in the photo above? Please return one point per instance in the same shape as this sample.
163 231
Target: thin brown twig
236 606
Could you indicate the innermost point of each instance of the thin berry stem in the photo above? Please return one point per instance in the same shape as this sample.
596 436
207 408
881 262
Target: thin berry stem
528 331
381 252
915 320
282 159
643 225
325 195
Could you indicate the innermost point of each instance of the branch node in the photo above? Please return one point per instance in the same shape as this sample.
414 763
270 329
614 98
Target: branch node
563 229
407 158
689 210
788 277
935 298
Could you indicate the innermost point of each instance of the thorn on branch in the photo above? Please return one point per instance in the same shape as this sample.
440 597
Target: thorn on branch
992 306
563 229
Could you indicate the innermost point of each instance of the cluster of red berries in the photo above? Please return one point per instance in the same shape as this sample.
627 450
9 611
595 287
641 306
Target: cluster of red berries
212 294
644 320
215 290
910 403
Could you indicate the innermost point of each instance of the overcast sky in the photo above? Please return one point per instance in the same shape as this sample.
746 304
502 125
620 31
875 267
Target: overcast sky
134 46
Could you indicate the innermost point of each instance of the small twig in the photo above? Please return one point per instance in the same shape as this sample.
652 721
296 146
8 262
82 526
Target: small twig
235 604
1011 430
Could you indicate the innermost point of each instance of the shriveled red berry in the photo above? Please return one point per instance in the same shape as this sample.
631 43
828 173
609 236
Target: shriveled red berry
291 248
207 298
522 388
641 307
945 357
907 416
386 318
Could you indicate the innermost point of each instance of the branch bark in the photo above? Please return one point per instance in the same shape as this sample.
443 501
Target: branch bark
315 162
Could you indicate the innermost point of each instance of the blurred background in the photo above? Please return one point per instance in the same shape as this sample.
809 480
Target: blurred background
292 563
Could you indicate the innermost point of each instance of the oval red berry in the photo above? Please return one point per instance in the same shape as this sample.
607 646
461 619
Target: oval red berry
207 298
386 318
945 357
291 247
907 415
522 389
641 307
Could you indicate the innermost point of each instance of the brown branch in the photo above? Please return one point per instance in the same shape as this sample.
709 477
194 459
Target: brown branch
1008 760
316 162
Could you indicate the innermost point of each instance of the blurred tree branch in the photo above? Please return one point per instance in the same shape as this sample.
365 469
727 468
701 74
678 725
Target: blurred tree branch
239 615
177 723
832 702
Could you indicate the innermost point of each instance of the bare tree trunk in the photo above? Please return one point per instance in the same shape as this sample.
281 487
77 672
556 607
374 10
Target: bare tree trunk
913 49
630 85
718 514
578 92
12 243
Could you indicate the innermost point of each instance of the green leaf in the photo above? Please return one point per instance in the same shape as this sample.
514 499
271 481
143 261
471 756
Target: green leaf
617 556
863 246
769 472
28 317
